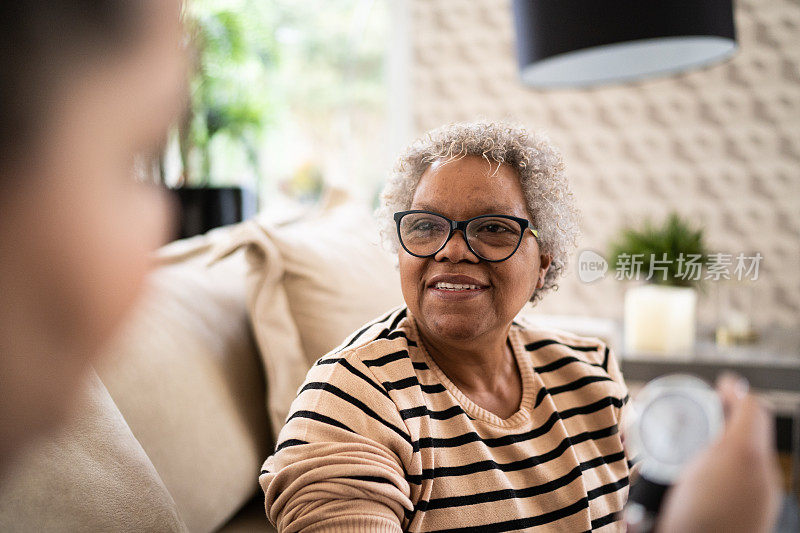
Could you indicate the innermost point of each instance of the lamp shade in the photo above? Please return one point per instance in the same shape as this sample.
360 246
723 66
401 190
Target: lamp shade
573 43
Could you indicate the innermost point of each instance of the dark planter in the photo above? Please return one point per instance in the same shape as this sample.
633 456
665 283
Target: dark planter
205 208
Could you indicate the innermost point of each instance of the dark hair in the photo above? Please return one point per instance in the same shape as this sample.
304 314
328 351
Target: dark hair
41 44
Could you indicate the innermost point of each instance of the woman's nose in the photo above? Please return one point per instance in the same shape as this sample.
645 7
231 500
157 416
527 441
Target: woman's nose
456 250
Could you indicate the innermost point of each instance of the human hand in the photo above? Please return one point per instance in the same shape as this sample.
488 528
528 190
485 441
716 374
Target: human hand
734 485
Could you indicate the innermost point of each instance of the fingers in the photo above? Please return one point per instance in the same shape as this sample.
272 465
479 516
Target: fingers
732 389
749 421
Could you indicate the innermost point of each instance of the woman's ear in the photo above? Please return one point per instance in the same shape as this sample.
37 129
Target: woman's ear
544 264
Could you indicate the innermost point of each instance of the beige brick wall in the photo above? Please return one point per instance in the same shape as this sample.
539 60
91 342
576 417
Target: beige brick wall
720 145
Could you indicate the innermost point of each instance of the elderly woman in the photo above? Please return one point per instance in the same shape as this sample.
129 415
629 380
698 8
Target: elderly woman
449 415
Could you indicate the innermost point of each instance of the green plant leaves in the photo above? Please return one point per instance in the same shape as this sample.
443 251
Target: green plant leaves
661 248
229 81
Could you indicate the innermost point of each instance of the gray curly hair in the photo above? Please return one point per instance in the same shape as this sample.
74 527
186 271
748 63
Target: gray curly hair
550 202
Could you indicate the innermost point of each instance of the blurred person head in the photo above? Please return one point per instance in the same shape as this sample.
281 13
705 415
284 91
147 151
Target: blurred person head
86 87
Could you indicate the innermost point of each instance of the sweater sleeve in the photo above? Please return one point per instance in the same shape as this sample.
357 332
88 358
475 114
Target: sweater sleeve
339 462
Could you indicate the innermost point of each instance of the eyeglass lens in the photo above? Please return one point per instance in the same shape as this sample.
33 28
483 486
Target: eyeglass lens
492 238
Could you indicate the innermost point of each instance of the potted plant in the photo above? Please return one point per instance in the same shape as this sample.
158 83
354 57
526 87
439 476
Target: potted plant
225 118
659 315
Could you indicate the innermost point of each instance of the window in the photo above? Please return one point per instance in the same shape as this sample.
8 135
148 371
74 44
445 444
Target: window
292 96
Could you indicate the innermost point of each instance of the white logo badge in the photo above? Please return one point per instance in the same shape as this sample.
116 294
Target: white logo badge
591 266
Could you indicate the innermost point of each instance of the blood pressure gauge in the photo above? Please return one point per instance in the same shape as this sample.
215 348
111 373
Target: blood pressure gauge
673 418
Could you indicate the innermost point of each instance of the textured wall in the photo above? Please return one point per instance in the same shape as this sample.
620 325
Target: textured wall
720 145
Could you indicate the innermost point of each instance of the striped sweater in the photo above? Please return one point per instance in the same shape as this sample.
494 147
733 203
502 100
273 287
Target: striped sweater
379 439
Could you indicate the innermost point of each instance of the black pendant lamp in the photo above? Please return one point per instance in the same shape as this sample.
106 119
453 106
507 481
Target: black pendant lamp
578 43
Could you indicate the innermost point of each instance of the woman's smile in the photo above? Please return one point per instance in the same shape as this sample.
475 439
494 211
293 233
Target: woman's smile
456 287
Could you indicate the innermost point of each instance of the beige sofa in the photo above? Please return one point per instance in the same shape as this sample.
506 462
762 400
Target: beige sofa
171 431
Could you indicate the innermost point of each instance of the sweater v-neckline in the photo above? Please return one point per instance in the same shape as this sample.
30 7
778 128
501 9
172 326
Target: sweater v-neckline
471 408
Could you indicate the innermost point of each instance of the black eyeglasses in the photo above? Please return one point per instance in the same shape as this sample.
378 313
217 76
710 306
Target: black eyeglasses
490 237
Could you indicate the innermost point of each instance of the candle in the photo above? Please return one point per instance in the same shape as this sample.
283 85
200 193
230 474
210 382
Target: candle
660 319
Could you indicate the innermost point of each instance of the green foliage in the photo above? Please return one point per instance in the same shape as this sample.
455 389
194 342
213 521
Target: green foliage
228 82
306 184
675 237
286 82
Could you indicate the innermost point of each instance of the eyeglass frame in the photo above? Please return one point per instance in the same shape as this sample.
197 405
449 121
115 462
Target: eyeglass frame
524 224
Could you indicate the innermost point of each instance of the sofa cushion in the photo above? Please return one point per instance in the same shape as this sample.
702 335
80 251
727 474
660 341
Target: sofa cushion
92 475
186 375
337 276
319 279
276 335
